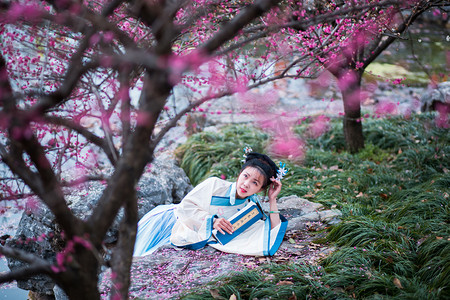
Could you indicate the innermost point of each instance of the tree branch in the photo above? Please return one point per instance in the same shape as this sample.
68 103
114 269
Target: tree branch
136 155
76 68
123 252
218 95
51 193
36 266
401 28
85 133
232 28
46 185
18 167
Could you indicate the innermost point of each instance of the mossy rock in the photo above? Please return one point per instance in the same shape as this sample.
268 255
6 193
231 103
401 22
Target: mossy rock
384 71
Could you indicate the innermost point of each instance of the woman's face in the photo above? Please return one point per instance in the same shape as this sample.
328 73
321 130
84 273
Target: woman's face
249 182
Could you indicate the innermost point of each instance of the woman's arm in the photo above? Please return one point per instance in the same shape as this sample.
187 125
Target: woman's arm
274 213
193 210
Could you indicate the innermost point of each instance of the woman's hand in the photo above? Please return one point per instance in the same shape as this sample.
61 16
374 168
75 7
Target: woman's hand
274 189
222 225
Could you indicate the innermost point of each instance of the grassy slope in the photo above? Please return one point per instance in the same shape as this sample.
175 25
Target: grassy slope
394 241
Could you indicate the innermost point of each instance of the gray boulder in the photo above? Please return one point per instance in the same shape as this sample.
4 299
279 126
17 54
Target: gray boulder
438 96
301 212
166 183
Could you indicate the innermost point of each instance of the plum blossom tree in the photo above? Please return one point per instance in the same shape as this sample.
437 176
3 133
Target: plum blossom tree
372 31
342 37
84 92
69 73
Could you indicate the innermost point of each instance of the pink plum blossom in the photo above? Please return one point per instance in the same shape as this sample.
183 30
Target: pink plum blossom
386 108
319 126
289 147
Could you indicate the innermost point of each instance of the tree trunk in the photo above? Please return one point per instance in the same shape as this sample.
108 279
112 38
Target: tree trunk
122 257
81 278
353 133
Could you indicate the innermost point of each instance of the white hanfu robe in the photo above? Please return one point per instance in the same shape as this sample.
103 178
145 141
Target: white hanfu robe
213 198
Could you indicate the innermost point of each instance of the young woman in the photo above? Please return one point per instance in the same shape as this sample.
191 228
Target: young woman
207 208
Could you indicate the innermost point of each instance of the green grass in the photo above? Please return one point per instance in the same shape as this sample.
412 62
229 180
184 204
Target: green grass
270 281
214 154
394 240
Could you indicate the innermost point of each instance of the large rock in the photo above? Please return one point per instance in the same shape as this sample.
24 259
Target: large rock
440 96
166 183
301 212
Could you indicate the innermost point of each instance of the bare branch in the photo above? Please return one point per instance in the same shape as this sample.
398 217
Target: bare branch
51 192
16 196
84 179
401 28
104 118
36 266
135 156
110 152
76 68
19 167
230 29
125 107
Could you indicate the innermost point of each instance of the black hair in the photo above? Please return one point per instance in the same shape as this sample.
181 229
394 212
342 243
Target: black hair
263 164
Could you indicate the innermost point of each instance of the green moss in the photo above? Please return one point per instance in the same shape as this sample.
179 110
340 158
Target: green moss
373 153
383 71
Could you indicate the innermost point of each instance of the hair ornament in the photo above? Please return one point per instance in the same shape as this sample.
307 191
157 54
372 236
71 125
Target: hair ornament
247 150
282 171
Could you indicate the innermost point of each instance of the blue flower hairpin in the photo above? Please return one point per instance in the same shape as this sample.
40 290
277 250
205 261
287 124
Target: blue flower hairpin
282 171
247 150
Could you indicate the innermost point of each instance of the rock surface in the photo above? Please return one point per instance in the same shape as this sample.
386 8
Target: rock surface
440 96
173 271
301 212
165 183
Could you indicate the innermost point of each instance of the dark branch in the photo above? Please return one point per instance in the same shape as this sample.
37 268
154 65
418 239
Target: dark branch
111 152
17 165
76 67
51 192
401 28
37 265
232 28
83 179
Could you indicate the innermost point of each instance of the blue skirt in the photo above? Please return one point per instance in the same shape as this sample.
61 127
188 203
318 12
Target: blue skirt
154 230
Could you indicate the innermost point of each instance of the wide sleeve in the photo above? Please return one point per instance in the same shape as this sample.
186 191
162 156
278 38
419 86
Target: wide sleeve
194 219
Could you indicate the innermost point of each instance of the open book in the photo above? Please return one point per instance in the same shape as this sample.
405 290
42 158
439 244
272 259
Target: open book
241 220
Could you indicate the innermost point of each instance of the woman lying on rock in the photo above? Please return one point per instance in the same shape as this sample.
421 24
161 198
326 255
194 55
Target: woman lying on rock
225 215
